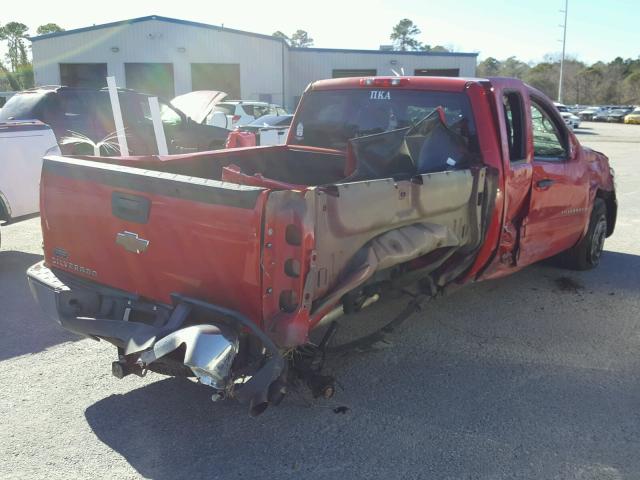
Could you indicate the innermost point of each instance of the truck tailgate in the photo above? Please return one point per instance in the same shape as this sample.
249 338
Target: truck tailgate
154 233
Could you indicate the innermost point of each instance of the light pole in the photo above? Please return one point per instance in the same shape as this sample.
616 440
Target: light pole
564 43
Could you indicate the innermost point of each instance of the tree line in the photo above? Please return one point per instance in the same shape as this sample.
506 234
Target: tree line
614 83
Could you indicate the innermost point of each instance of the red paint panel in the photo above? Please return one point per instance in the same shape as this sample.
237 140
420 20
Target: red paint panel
207 251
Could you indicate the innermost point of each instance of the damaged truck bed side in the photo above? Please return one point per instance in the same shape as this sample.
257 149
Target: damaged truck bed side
218 265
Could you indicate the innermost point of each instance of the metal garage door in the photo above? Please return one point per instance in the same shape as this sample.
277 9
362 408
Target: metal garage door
153 78
224 77
88 75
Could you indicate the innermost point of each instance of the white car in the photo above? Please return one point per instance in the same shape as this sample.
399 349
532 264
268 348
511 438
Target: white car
22 145
206 107
244 112
572 121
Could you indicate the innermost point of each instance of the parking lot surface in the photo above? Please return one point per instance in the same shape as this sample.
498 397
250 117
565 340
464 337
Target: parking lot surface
531 376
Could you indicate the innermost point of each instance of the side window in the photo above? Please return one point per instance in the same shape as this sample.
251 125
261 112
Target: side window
514 117
547 139
169 115
248 110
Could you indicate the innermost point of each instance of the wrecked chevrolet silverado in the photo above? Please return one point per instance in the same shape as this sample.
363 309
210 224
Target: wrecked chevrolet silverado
219 265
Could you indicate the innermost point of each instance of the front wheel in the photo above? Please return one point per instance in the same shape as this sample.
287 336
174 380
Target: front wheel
586 254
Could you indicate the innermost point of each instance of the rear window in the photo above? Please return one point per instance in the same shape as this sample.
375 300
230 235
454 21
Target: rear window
330 118
22 106
225 108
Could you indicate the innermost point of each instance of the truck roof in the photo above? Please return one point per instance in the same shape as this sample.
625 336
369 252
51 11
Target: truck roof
452 84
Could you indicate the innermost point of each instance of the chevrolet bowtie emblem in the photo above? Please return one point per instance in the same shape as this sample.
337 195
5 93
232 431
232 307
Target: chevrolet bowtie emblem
131 242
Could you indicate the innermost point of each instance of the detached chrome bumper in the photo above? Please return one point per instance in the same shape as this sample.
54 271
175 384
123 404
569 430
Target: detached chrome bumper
149 331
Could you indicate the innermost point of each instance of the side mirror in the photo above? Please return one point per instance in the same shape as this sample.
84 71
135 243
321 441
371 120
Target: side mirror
217 119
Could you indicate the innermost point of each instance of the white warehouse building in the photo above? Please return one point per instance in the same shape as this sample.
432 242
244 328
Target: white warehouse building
168 57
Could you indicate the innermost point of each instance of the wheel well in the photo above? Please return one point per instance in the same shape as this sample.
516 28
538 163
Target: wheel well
610 202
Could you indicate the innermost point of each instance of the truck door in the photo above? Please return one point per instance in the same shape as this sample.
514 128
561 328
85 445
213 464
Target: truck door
512 103
558 207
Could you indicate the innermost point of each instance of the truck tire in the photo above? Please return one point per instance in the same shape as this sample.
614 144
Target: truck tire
586 254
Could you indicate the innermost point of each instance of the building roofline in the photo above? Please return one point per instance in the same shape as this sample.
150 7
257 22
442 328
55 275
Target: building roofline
243 32
389 52
158 18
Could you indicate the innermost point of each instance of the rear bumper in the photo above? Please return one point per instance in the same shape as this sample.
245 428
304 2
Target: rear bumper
95 311
148 331
124 319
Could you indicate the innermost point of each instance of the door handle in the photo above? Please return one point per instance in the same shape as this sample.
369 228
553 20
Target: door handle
545 183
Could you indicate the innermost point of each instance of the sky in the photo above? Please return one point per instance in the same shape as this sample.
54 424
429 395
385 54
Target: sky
528 29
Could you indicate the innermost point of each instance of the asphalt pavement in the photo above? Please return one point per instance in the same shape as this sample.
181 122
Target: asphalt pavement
534 376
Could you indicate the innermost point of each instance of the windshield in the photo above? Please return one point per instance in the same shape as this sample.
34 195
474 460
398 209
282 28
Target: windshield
562 108
23 106
330 118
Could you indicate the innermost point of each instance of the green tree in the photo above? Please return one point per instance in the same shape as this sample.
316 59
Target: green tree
512 67
632 88
489 67
14 34
279 34
301 38
404 36
49 28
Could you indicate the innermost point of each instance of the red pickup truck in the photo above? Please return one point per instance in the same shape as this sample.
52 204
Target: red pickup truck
219 265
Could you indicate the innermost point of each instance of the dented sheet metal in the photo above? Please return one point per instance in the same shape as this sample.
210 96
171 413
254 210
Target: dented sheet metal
392 248
359 212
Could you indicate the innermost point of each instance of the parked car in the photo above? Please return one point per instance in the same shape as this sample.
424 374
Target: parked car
633 117
266 130
573 121
617 115
70 111
242 112
588 113
22 146
208 107
220 265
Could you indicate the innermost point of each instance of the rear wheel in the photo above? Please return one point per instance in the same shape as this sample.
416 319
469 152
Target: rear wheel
586 254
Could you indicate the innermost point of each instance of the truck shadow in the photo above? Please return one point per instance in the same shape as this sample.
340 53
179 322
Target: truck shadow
25 328
465 389
516 416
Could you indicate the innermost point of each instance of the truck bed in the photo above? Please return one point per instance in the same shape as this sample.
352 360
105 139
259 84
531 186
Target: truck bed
276 254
